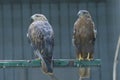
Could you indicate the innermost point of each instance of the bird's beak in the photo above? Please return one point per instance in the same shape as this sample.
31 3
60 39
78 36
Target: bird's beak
79 14
31 17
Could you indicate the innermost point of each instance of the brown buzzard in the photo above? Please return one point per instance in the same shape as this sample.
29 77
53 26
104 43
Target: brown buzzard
84 35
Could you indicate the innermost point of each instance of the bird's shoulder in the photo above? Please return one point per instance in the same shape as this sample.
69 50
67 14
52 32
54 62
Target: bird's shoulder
41 27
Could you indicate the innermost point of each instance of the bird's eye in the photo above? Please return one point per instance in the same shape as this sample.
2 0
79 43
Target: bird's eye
84 12
37 15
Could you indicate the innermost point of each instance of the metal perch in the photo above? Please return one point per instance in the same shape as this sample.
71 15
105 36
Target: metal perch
56 63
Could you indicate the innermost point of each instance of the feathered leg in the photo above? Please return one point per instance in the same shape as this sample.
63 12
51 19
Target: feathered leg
80 57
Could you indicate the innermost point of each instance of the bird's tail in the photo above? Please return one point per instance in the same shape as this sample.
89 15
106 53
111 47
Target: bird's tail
84 72
46 63
47 66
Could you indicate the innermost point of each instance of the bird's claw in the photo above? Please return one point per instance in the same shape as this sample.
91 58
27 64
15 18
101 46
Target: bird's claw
88 57
80 57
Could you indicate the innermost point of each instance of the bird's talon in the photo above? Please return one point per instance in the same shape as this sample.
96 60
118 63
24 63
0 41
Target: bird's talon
80 57
88 57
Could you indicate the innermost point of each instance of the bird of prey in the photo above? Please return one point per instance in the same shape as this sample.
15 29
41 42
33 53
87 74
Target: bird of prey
41 38
84 35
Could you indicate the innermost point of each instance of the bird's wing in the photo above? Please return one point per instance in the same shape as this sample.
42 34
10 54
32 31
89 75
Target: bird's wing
76 33
48 38
94 30
41 36
35 35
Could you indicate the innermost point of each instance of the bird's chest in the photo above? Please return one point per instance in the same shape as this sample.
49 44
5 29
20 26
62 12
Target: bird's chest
84 27
83 31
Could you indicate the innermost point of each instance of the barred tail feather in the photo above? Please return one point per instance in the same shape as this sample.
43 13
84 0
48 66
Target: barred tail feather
47 67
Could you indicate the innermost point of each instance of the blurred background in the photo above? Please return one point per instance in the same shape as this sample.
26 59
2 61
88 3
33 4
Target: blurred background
15 19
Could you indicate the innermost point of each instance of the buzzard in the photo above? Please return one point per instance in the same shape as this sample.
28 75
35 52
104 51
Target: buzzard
84 35
41 37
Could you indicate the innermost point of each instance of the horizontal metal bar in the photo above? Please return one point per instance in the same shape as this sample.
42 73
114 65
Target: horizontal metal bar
56 63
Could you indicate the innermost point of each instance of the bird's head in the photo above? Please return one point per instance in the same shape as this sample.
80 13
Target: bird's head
84 13
38 17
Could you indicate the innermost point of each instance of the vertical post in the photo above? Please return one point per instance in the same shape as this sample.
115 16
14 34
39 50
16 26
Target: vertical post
116 60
